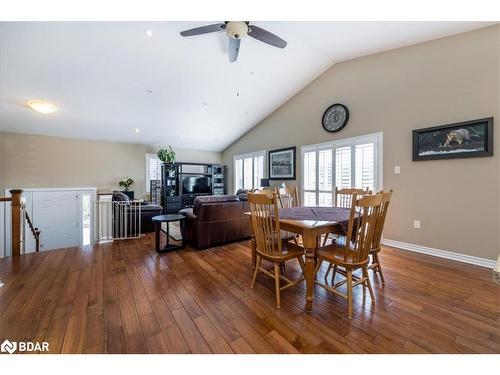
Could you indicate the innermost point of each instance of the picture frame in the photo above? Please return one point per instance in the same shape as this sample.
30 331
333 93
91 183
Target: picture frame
466 139
282 163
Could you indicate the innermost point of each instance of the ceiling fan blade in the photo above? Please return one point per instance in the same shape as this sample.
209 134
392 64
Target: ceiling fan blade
266 37
233 49
204 29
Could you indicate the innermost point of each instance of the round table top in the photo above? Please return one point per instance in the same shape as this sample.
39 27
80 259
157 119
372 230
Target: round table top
167 218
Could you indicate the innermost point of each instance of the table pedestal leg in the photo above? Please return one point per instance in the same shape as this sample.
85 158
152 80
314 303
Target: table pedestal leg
310 245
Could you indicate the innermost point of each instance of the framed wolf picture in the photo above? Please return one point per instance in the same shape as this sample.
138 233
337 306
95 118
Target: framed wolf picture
282 164
461 140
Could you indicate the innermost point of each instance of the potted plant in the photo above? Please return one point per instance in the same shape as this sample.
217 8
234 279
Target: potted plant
126 183
166 155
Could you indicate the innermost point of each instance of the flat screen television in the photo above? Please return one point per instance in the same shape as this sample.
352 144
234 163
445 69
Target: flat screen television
196 185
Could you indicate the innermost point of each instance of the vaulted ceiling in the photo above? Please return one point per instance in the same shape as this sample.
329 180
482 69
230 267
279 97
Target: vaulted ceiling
110 78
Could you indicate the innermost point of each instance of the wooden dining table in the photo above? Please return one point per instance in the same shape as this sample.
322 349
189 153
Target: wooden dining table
311 223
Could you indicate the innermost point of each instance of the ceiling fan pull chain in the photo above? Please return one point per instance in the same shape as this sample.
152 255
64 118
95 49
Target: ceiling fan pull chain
237 77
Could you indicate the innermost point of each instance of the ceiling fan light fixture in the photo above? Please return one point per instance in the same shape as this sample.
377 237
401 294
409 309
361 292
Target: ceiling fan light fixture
236 29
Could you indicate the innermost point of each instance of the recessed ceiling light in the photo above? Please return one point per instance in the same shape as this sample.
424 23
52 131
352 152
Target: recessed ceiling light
149 32
42 106
182 137
149 91
136 130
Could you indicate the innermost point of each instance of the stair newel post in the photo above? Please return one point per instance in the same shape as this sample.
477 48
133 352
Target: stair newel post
16 221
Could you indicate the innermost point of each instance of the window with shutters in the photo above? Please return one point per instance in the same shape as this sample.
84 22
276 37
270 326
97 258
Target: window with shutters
353 162
153 170
248 170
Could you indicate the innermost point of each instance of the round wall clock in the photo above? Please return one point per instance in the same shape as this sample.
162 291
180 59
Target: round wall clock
335 118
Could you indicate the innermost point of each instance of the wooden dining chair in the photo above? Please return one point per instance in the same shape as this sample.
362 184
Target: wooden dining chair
287 197
354 253
269 245
377 238
343 198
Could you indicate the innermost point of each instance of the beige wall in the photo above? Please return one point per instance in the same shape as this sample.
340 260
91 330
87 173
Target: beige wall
438 82
32 161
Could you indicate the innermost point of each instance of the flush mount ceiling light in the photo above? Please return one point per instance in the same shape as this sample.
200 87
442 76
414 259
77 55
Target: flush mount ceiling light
148 32
42 106
136 130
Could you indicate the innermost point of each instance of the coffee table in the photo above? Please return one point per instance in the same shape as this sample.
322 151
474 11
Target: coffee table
158 220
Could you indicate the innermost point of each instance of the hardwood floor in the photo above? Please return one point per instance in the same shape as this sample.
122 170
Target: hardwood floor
124 298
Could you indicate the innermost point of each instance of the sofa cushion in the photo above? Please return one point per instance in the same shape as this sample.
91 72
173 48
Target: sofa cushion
151 207
188 212
118 196
199 201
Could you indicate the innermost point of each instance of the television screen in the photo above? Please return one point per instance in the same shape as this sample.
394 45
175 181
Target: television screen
196 185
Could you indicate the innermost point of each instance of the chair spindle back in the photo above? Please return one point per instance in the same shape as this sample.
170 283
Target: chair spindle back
265 222
288 197
344 197
362 225
379 226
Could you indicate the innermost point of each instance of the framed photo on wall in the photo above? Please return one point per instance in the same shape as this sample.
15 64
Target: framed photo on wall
460 140
282 164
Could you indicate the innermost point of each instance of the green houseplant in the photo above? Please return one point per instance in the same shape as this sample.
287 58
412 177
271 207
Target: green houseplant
126 183
166 155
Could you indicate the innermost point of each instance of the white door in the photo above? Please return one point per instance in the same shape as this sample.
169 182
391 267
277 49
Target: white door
55 214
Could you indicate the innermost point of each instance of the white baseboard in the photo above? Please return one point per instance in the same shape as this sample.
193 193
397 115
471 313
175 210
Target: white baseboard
440 253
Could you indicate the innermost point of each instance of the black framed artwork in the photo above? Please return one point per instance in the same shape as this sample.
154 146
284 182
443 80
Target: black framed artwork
466 139
282 164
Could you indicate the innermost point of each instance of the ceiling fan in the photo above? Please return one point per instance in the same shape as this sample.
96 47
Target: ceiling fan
236 30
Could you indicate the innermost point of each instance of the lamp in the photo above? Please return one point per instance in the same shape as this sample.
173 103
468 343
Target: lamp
264 182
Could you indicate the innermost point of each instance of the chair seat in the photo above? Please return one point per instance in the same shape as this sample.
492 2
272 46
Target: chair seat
289 251
340 255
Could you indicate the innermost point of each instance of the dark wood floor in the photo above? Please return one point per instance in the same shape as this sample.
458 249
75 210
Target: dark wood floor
124 298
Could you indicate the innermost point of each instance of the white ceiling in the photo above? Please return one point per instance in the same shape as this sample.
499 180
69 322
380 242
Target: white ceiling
98 74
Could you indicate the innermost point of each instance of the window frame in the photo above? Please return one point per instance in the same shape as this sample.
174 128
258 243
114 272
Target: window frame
376 138
243 157
148 158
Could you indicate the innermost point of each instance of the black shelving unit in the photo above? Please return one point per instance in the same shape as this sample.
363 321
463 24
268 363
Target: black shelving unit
173 199
170 188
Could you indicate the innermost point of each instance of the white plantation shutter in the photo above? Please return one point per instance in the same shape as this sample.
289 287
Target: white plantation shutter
343 167
365 166
247 173
153 170
325 174
238 175
248 170
346 163
309 177
258 170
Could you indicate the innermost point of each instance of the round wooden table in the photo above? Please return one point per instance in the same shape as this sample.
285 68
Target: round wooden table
158 220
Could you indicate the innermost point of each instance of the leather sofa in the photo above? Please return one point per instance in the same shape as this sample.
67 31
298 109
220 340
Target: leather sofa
216 220
148 210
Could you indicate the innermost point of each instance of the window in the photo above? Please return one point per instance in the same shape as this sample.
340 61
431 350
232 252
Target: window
353 162
248 170
153 170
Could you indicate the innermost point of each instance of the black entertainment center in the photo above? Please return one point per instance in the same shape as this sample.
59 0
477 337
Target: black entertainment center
181 183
